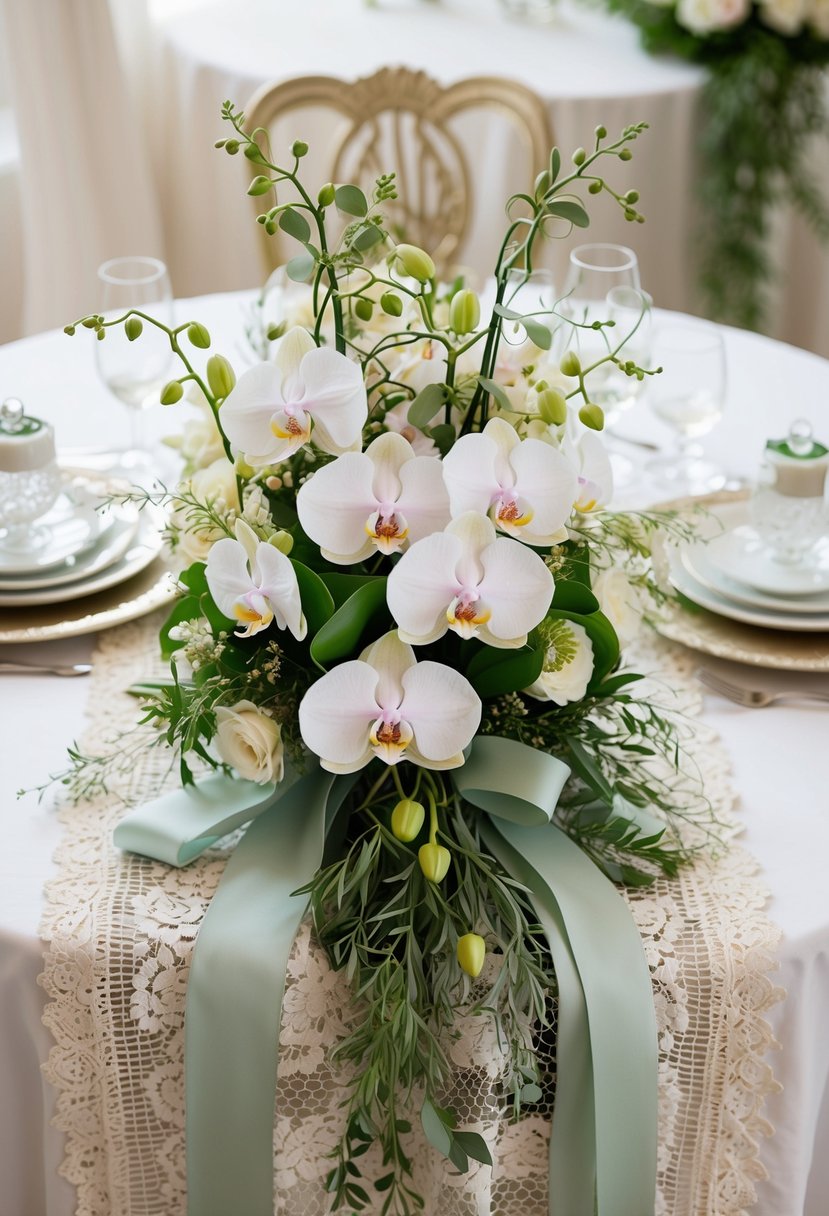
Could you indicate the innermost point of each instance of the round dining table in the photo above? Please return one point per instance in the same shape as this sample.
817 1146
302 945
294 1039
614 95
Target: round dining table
775 755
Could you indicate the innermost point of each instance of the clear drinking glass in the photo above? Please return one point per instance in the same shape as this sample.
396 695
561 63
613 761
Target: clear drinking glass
688 395
597 273
134 372
531 294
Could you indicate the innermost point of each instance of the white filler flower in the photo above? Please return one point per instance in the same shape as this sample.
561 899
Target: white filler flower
253 583
251 742
386 704
568 664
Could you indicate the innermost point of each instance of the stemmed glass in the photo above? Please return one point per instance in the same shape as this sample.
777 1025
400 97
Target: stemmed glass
688 395
134 372
531 293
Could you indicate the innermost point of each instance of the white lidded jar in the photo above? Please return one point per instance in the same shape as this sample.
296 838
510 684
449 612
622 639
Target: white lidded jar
30 480
789 507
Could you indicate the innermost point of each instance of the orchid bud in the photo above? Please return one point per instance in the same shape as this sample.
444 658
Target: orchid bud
171 393
552 406
259 185
626 154
592 416
464 312
601 132
326 195
471 953
594 188
414 262
89 322
391 304
282 540
299 148
570 364
220 376
69 329
232 147
542 183
133 328
198 335
407 820
363 308
579 156
434 861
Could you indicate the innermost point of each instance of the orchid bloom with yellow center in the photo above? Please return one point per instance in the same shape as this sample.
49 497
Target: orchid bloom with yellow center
526 486
588 456
386 705
385 499
471 581
253 583
306 390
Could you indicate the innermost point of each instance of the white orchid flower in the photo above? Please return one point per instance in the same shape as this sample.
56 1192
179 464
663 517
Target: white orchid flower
253 583
526 486
384 498
397 420
472 581
587 454
386 704
275 406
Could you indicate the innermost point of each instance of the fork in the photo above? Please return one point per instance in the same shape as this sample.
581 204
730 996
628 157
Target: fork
755 698
32 669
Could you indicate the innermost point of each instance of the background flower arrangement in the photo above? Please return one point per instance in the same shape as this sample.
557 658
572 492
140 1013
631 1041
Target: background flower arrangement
397 538
763 103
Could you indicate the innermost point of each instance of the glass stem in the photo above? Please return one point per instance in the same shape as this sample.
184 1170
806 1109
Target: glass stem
138 429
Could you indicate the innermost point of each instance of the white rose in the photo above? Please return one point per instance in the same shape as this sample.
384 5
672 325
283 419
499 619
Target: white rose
785 16
213 486
251 742
568 664
621 603
199 442
703 16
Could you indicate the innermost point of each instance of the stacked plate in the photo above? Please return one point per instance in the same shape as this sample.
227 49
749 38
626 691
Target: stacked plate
735 575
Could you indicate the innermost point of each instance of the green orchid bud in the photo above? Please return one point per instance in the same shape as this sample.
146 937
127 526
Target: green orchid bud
594 188
283 541
632 196
326 195
243 469
630 214
464 312
407 819
414 262
299 149
363 308
171 393
270 227
259 185
253 152
89 322
471 953
552 407
391 304
198 335
571 364
601 132
434 861
579 156
626 154
232 147
592 416
220 376
276 331
133 328
69 329
542 183
100 334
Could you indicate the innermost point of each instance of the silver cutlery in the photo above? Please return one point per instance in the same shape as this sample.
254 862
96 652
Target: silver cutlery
756 698
34 669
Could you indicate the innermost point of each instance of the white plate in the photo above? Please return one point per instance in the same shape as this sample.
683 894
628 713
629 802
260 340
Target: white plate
144 549
741 554
72 526
706 598
114 544
695 560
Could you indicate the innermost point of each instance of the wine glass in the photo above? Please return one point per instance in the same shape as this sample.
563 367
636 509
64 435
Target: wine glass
688 395
134 372
532 294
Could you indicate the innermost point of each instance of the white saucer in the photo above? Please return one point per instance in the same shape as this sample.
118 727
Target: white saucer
142 550
794 622
740 554
72 528
695 560
116 540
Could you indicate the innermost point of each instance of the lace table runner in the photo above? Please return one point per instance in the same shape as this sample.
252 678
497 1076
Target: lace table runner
120 932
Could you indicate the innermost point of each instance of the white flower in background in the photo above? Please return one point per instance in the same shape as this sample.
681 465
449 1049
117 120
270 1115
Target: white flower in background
526 486
568 663
200 442
588 456
397 421
253 583
214 486
621 602
785 16
472 581
386 704
384 498
276 406
819 17
251 742
417 363
703 16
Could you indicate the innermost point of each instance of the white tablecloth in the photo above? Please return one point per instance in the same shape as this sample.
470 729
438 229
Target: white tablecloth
777 758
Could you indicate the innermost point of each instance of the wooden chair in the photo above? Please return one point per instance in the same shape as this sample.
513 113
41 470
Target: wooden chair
399 120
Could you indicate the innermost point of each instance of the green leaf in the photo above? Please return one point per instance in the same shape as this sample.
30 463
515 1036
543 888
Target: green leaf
537 333
300 268
295 224
611 686
493 672
458 1157
496 391
555 163
317 603
571 596
570 210
343 586
443 435
351 200
587 768
216 619
367 237
434 1129
475 1146
426 404
529 1093
343 632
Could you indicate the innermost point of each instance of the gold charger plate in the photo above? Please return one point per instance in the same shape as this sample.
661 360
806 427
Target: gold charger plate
711 634
152 588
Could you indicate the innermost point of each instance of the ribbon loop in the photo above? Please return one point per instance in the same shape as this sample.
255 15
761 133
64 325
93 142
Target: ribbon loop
510 780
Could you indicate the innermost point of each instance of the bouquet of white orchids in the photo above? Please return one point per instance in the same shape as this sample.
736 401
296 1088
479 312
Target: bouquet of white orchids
398 545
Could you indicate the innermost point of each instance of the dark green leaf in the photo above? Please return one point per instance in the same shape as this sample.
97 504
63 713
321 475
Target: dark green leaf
342 633
493 672
458 1157
317 603
343 586
443 435
295 224
475 1146
571 596
351 200
426 404
570 210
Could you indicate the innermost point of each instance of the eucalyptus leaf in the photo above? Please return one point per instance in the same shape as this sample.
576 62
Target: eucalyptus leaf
435 1130
351 200
529 1093
537 332
475 1146
300 268
555 163
569 209
295 224
458 1157
425 405
367 237
496 391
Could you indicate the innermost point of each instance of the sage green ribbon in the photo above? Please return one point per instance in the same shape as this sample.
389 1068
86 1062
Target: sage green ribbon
603 1152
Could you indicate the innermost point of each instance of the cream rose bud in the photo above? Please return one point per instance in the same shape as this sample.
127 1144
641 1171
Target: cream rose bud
702 16
213 486
621 602
568 663
251 742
